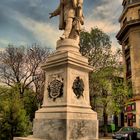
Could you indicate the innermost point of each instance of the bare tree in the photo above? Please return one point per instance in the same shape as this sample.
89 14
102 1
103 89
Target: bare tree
20 67
37 56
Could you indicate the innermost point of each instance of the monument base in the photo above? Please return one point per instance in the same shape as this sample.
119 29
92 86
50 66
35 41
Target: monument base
69 125
65 115
77 129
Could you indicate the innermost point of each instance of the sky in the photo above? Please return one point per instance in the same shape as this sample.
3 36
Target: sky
24 22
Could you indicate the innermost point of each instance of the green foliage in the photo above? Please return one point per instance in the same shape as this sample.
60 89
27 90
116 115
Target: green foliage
30 103
110 93
107 90
119 95
95 45
20 71
101 83
13 118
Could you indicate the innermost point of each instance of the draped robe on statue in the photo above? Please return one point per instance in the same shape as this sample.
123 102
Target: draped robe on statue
68 9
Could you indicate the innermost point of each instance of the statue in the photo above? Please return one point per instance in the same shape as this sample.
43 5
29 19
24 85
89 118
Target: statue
71 18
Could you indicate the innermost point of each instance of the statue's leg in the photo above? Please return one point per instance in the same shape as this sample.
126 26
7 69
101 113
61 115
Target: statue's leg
74 34
68 28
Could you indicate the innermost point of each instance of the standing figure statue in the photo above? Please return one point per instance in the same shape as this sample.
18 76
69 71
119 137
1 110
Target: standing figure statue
71 18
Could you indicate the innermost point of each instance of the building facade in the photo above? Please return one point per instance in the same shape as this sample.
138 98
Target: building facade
129 38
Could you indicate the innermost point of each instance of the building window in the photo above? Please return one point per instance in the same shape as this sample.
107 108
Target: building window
130 107
133 107
124 5
127 50
128 67
134 118
128 62
124 21
127 58
125 118
130 119
130 91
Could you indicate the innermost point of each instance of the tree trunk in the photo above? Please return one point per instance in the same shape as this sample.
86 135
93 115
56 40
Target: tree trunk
105 119
116 120
122 119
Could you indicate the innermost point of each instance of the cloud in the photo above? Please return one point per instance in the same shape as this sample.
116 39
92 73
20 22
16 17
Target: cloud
43 32
106 26
35 9
3 43
27 25
27 20
107 9
105 16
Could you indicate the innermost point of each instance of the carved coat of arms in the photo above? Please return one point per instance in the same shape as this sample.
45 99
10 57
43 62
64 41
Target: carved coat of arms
78 87
55 89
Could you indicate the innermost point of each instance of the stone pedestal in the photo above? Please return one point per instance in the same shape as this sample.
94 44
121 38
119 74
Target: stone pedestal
66 112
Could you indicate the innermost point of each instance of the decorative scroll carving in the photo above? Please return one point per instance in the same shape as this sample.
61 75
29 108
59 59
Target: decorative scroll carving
55 88
78 87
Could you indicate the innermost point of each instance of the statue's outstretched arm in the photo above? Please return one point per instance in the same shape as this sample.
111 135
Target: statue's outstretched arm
56 12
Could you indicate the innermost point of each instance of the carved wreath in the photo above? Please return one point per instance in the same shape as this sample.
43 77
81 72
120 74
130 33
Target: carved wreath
78 87
55 89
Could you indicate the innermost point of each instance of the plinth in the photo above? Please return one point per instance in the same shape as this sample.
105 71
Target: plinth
66 112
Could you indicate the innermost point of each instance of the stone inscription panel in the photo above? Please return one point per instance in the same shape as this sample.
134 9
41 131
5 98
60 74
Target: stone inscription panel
82 129
49 129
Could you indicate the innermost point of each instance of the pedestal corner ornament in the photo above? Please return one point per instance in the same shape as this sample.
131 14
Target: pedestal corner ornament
78 87
55 88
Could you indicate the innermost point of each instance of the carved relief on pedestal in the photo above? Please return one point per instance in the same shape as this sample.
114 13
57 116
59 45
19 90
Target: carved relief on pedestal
78 87
55 87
